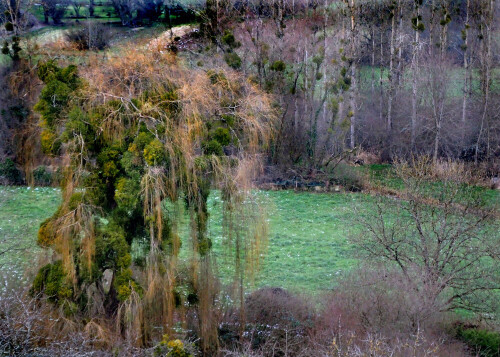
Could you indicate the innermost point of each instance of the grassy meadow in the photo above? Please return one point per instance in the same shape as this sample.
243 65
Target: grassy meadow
22 209
308 234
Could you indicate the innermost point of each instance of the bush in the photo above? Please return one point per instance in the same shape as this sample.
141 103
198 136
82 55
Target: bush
233 60
9 173
212 147
222 135
172 348
278 66
348 177
154 153
91 36
230 40
278 321
484 343
42 176
51 280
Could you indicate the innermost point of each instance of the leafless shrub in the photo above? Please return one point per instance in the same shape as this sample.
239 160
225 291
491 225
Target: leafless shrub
363 157
441 237
91 36
348 177
373 311
380 301
29 326
277 322
365 315
349 344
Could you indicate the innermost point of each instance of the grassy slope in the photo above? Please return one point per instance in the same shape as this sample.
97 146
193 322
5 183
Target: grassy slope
308 232
308 242
101 10
382 175
308 238
21 211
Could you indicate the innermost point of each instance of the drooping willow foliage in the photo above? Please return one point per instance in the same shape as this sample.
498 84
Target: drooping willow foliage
141 137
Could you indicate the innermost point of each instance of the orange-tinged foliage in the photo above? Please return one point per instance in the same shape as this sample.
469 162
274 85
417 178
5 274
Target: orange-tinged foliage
138 135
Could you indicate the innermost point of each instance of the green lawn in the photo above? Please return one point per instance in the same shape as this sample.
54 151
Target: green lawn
21 211
384 176
455 80
308 233
308 244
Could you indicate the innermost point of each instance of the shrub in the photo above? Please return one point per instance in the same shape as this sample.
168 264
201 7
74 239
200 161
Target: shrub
233 60
278 66
91 36
46 232
229 39
222 135
51 280
277 320
348 177
42 176
484 343
9 26
212 147
154 153
9 173
172 348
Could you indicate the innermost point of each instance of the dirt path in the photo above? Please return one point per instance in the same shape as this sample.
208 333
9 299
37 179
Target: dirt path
167 37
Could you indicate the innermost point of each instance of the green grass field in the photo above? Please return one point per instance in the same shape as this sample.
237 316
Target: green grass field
102 10
383 175
454 80
308 246
308 234
21 211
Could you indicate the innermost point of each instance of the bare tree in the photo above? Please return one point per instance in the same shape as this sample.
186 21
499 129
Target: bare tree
466 87
418 27
77 7
125 9
351 4
437 80
443 237
395 6
486 23
54 9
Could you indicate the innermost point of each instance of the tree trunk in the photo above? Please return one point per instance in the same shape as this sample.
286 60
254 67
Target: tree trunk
354 88
486 30
381 79
91 8
400 46
391 73
466 73
443 41
431 27
45 16
373 62
415 76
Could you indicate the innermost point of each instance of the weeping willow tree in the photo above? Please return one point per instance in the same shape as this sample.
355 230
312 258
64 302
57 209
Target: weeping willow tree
144 139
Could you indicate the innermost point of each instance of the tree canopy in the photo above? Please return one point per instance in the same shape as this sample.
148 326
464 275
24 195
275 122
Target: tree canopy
140 136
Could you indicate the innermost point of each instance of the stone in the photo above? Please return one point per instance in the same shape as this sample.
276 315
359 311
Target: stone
95 300
107 279
495 183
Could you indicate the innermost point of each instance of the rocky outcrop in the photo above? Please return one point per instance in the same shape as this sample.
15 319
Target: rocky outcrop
107 280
